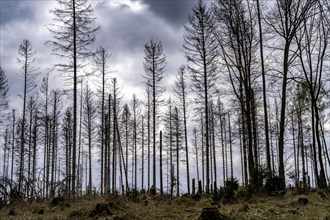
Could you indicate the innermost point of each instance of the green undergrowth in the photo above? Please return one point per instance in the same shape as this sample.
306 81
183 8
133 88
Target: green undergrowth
289 205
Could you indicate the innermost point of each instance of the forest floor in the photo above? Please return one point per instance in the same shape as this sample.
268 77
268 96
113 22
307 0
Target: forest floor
291 205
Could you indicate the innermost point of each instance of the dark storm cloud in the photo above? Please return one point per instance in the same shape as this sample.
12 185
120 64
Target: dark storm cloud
174 11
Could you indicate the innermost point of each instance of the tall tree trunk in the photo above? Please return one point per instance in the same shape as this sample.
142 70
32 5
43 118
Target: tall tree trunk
203 150
45 153
114 147
214 151
186 142
322 179
196 152
22 150
149 139
301 144
230 149
12 147
53 146
207 140
75 82
283 114
295 154
34 155
154 128
255 131
107 148
222 130
177 155
90 183
5 161
161 162
103 63
264 94
317 180
30 146
171 154
142 157
80 162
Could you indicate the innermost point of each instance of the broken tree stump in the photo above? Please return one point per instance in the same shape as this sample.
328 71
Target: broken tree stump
211 213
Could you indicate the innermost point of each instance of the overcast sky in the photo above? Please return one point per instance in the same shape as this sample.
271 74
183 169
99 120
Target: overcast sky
126 26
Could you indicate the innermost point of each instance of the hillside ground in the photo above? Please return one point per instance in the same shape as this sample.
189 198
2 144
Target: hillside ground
291 205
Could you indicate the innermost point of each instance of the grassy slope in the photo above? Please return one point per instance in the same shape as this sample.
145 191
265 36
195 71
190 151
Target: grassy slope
258 207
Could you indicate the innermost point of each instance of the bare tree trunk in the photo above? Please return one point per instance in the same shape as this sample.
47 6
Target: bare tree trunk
31 109
148 125
114 147
161 162
12 147
301 144
246 175
213 148
107 157
241 153
203 154
222 146
264 95
75 82
102 132
295 154
5 161
196 152
171 153
207 145
255 131
177 155
230 149
142 156
53 150
154 130
34 155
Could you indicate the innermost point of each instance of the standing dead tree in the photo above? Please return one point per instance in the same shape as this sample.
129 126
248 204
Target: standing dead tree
72 34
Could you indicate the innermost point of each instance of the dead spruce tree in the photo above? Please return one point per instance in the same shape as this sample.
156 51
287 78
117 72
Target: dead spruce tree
201 53
73 33
154 67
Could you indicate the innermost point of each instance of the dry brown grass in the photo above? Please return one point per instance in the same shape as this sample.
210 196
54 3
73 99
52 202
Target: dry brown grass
287 206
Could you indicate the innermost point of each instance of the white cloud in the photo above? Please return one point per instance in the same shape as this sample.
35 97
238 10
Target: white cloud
126 26
32 27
